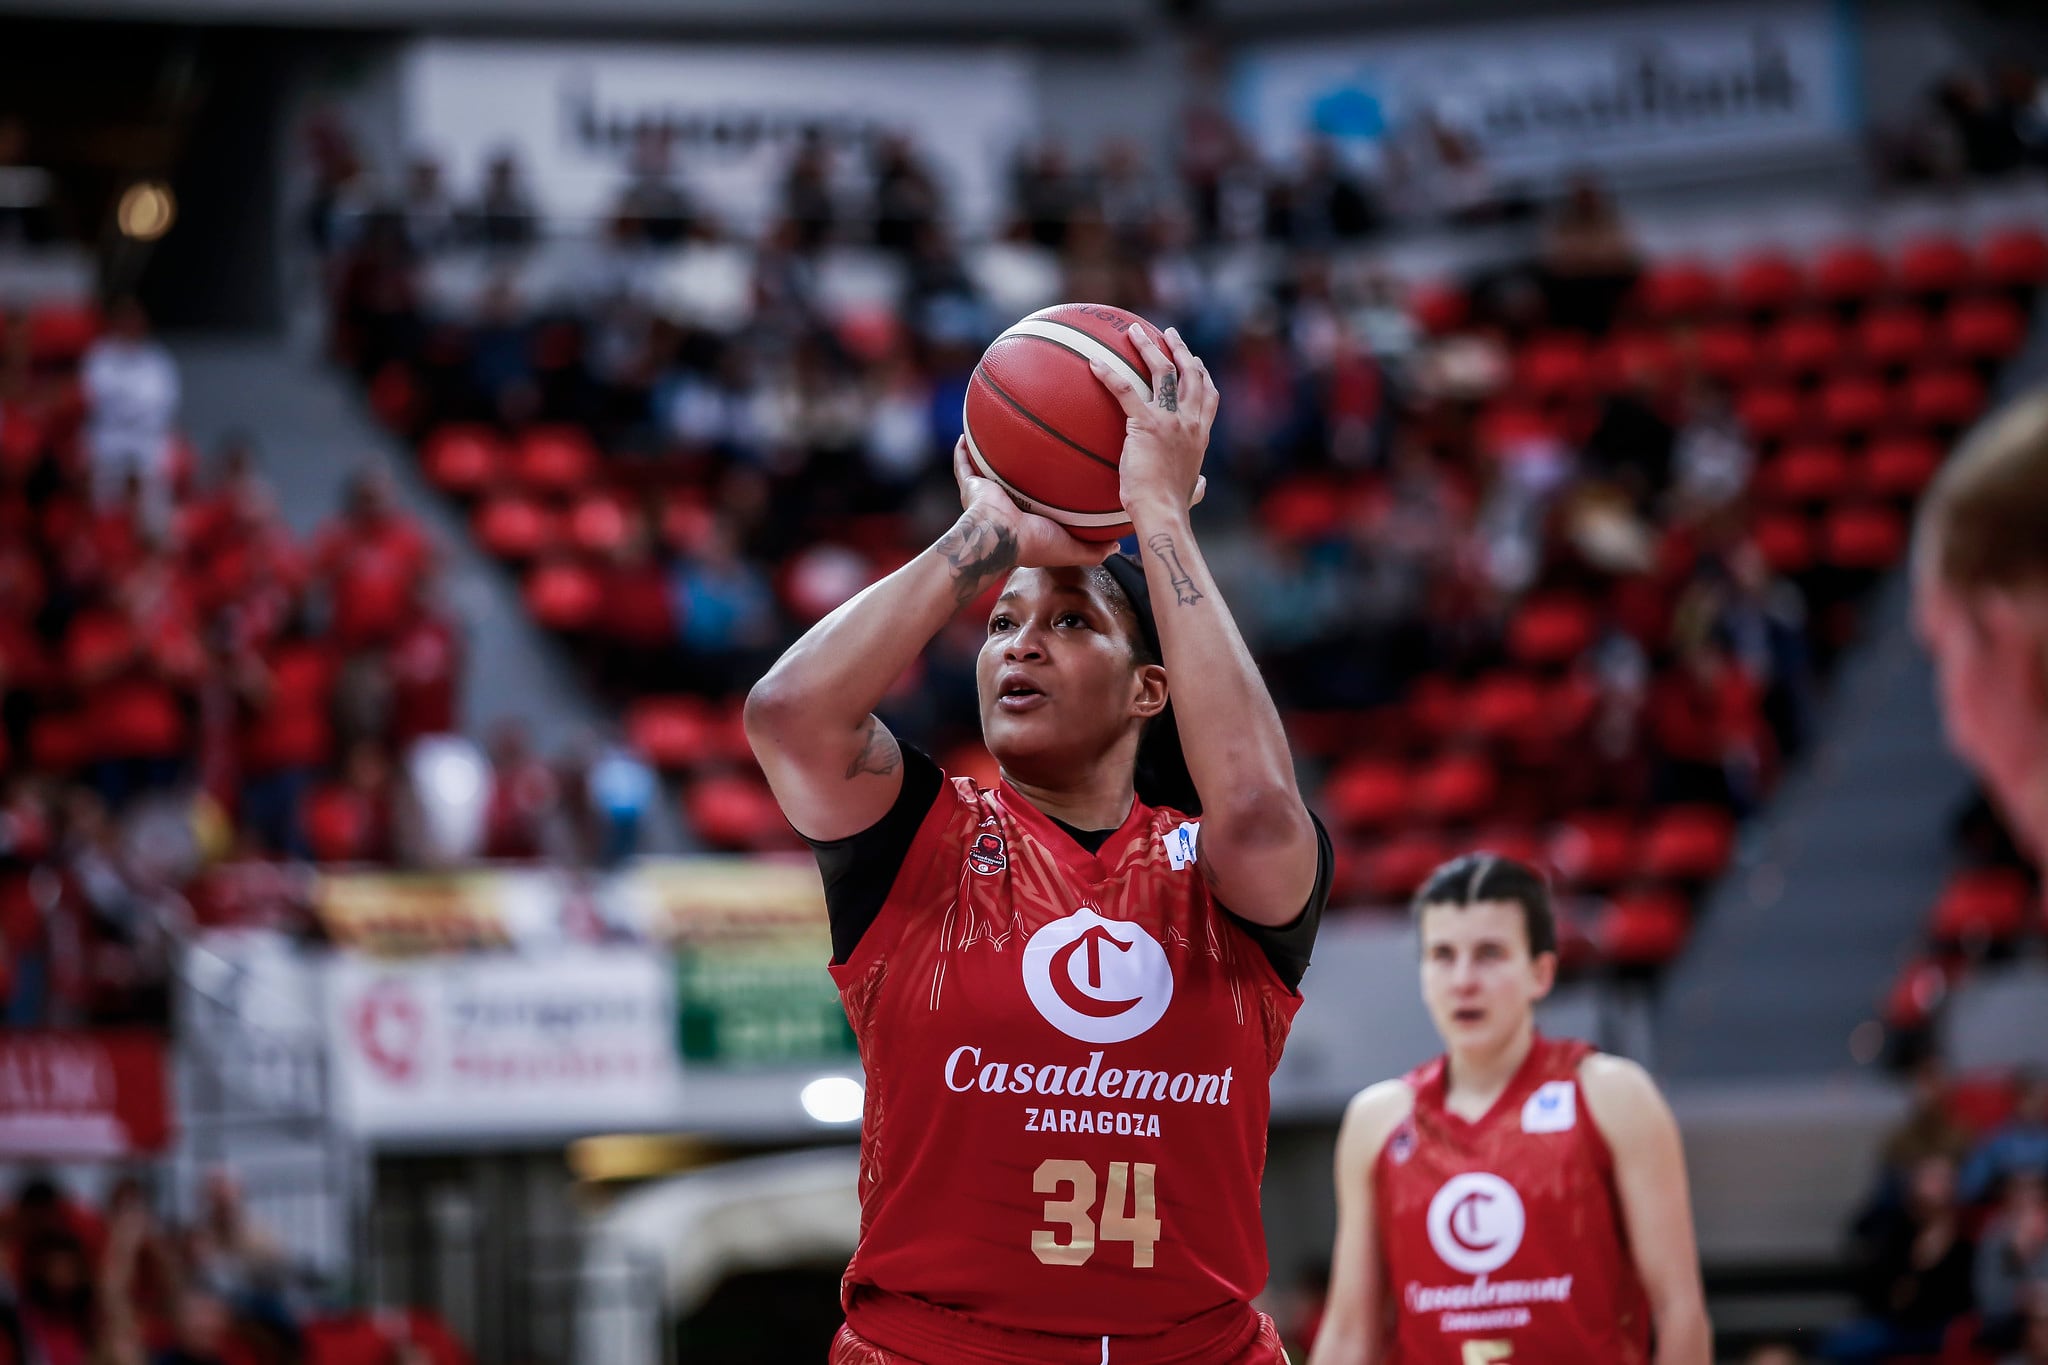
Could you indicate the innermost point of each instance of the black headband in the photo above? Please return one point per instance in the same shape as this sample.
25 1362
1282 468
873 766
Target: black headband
1162 777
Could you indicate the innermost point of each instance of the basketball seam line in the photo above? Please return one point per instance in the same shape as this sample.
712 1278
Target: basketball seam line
1139 377
1066 516
981 372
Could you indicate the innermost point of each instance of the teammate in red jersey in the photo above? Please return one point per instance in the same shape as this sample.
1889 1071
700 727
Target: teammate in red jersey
1520 1198
1070 989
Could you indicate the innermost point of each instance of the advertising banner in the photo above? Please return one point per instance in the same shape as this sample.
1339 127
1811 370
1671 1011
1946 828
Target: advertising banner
505 1047
572 111
83 1096
1542 97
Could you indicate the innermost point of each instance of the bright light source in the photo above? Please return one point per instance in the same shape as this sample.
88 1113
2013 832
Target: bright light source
147 210
834 1099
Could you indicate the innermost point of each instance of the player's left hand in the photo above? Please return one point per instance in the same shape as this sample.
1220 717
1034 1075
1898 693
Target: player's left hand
1166 431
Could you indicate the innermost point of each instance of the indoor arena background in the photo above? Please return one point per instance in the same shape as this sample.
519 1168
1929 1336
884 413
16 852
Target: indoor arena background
420 422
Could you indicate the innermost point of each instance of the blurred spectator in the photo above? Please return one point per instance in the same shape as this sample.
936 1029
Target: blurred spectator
368 562
1929 1128
2019 1146
725 605
1634 443
501 371
1711 455
1774 1353
1761 619
1706 720
1125 192
200 1332
906 197
652 207
431 220
131 385
2012 1254
2033 1342
424 668
376 297
1323 203
230 1256
60 1310
286 691
1916 1265
503 214
1589 259
808 201
1046 192
522 799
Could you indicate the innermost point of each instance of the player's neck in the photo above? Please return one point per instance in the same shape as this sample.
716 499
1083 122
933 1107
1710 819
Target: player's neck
1479 1075
1099 802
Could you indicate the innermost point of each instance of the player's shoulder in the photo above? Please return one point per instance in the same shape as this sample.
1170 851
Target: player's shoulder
1373 1114
1622 1096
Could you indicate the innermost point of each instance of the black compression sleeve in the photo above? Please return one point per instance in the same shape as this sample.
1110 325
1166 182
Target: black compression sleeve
1287 946
860 869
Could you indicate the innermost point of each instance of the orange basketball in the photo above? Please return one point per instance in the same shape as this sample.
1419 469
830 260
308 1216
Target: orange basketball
1040 424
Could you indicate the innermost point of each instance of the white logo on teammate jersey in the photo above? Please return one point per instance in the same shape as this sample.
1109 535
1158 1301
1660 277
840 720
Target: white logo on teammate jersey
1554 1108
1181 844
1097 980
1476 1223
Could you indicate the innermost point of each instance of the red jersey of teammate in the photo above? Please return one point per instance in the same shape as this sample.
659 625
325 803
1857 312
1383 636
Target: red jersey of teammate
1507 1232
1067 1058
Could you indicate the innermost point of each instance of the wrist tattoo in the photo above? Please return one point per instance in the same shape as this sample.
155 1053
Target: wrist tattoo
878 754
1184 589
977 551
1169 392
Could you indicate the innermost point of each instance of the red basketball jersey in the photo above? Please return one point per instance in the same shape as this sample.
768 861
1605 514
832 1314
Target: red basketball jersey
1502 1238
1067 1062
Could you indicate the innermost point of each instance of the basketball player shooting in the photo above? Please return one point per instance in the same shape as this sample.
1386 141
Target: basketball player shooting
1520 1198
1980 590
1070 990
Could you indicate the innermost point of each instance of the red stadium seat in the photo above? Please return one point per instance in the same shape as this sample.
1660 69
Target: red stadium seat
1814 472
1396 870
1508 424
1677 289
1852 404
59 333
1786 539
1770 411
336 824
1862 537
1805 343
1515 842
1643 929
1302 510
1893 335
1504 706
464 460
1916 994
1981 907
1627 354
1367 793
672 733
564 595
516 527
58 742
1727 350
1946 396
556 460
599 523
1436 709
1934 264
2015 258
1766 282
736 812
1849 272
1900 466
1438 308
1557 365
686 521
1594 848
1982 1103
1984 328
1550 631
1688 844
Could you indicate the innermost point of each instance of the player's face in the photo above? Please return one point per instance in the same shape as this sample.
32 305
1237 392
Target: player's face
1478 978
1057 681
1991 670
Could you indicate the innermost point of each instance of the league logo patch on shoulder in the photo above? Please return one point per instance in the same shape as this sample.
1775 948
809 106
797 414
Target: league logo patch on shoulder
1181 844
1554 1108
1401 1145
986 855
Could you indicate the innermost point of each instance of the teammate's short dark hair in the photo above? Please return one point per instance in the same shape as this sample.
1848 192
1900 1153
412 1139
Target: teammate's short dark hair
1479 877
1982 516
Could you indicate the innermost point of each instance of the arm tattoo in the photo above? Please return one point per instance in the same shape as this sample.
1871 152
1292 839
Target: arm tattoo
1169 391
1184 589
878 754
977 551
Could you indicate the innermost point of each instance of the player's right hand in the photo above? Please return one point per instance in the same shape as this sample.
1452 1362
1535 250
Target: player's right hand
1042 543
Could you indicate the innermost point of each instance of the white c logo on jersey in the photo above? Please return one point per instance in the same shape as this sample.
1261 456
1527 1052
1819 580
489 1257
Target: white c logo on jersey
1097 980
1476 1223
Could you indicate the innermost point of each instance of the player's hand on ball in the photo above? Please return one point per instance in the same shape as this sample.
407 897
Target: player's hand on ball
1166 431
1042 543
